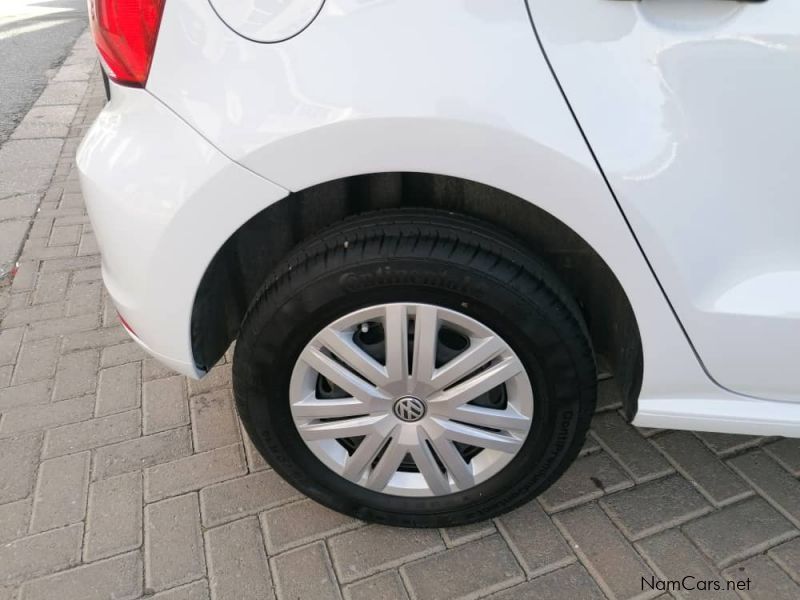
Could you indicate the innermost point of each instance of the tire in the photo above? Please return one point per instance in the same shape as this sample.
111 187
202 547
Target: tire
423 258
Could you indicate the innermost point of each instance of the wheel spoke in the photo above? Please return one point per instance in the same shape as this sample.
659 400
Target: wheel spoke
396 330
478 384
340 375
387 465
506 419
474 436
427 465
312 407
346 350
342 428
355 464
455 464
468 361
426 332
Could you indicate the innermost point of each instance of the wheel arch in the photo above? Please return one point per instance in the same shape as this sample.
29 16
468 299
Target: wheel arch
241 265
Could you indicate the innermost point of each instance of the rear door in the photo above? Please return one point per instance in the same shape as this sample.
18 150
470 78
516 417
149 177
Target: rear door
692 108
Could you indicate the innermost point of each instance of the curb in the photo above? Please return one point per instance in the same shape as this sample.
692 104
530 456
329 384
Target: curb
29 158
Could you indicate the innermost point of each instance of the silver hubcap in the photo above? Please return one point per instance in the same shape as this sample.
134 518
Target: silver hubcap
411 399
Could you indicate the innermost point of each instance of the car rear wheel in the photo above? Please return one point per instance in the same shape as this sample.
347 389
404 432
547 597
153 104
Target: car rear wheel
415 368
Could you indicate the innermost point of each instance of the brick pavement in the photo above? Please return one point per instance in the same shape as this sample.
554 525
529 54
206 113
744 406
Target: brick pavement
120 479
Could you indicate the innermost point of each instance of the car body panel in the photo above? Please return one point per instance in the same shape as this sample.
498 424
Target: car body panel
691 109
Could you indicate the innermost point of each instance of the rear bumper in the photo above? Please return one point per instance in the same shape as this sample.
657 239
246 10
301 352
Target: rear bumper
162 200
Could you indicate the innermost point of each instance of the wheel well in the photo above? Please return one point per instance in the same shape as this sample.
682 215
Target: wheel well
243 263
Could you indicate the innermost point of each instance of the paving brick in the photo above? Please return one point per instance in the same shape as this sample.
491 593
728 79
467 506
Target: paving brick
219 376
727 443
787 453
152 369
10 340
787 555
91 434
587 478
99 338
27 394
193 472
571 582
237 563
142 452
244 496
617 568
5 375
88 245
300 523
19 459
197 590
631 450
774 483
61 489
701 466
40 554
68 235
119 389
25 316
51 287
214 422
455 536
169 525
37 360
61 326
739 531
14 518
119 578
114 516
305 573
537 544
76 375
121 354
91 274
761 579
67 92
164 405
19 207
46 122
85 298
387 585
43 416
468 571
255 462
673 557
368 550
655 506
12 236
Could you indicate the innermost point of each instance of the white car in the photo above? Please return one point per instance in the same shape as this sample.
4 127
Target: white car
431 226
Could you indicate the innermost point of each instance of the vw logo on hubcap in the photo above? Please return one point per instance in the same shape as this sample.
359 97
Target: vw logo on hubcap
409 409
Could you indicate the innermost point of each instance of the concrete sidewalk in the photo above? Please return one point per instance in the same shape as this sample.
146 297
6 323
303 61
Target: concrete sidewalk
119 479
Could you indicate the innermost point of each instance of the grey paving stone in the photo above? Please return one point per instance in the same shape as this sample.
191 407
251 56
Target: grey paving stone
589 477
305 573
14 518
613 563
300 523
244 496
30 418
787 555
193 472
10 340
19 459
119 389
572 582
66 92
50 287
60 497
5 375
468 571
19 207
164 405
169 525
120 354
152 369
774 483
214 422
701 466
727 443
759 578
65 235
99 338
12 236
84 298
40 554
387 586
61 326
119 578
197 590
673 558
140 453
237 563
114 516
37 360
366 551
655 506
27 394
536 542
91 434
461 534
219 376
76 375
787 453
739 531
255 462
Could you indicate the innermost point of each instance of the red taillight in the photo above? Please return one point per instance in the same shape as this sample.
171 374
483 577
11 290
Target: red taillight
125 32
